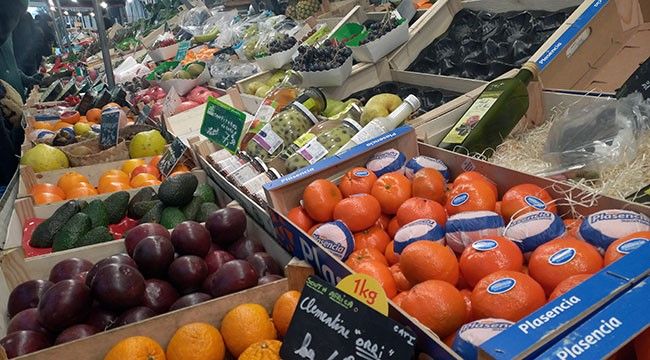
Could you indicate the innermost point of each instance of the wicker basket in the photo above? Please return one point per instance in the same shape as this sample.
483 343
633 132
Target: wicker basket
115 153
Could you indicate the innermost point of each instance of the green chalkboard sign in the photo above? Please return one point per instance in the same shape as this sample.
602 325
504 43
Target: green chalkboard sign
223 124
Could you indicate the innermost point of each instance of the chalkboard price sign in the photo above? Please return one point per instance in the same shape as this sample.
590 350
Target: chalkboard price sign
183 47
330 325
144 115
223 124
171 157
110 128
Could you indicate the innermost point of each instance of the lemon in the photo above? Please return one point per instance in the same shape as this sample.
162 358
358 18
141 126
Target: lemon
44 157
147 143
82 128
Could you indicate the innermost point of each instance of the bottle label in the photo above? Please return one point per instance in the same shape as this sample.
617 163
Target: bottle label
313 151
268 139
256 184
230 164
264 113
369 132
471 118
244 173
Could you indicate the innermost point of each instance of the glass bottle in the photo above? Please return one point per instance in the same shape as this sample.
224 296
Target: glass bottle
493 115
255 186
232 163
247 171
382 125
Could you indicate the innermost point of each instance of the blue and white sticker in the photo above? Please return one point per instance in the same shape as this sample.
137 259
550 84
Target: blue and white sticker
471 335
628 246
336 238
485 245
460 199
361 173
422 229
501 286
464 228
604 227
420 162
535 202
386 161
562 256
534 229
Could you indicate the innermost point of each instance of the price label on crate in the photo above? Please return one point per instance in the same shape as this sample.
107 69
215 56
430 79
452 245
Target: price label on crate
171 102
367 290
183 48
110 129
223 124
171 156
144 115
326 325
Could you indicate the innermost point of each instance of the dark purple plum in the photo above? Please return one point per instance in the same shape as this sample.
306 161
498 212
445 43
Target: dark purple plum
245 247
115 259
191 238
159 295
233 276
26 295
81 277
69 268
135 314
226 225
153 255
140 232
214 247
75 332
187 273
65 303
190 300
24 342
264 264
216 258
101 318
268 279
27 320
118 286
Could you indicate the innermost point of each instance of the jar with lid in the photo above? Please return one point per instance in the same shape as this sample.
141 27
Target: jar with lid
247 171
255 186
285 127
232 163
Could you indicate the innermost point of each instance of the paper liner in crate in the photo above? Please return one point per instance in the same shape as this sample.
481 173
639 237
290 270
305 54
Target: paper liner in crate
326 78
377 49
277 60
164 53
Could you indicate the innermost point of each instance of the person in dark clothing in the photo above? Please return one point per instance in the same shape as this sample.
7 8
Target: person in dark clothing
28 53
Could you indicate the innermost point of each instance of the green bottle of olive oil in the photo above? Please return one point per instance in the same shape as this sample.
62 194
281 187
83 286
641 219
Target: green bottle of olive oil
493 115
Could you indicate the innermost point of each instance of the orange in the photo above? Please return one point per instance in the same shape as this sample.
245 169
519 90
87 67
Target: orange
391 256
43 198
145 169
110 105
506 294
467 296
632 242
393 226
299 216
94 115
319 199
572 226
473 176
438 305
155 160
426 260
558 259
83 119
525 198
112 187
196 341
70 180
83 190
383 222
358 180
358 212
429 183
497 208
61 125
245 325
179 169
399 298
362 255
462 283
114 175
136 348
373 237
313 228
420 208
283 310
46 125
486 256
449 340
568 284
642 345
71 117
131 164
400 279
391 190
380 272
470 196
151 182
140 179
47 188
262 350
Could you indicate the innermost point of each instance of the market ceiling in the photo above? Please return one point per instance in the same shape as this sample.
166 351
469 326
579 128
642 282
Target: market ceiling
87 3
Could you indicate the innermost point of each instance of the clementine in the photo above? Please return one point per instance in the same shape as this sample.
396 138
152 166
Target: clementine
358 212
319 199
94 115
357 257
383 222
438 305
380 272
467 296
426 260
283 310
265 349
474 176
136 348
417 208
391 190
299 216
525 198
393 226
470 196
486 256
429 183
623 246
372 237
400 280
196 341
245 325
399 298
391 256
568 284
358 180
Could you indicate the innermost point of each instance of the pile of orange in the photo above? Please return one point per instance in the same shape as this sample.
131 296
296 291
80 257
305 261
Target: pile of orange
442 289
246 332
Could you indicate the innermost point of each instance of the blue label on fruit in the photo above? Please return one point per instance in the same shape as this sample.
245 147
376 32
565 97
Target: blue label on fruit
485 245
562 256
501 286
460 199
535 202
361 173
630 245
336 238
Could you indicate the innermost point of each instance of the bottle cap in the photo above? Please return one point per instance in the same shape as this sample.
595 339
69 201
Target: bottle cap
413 101
532 67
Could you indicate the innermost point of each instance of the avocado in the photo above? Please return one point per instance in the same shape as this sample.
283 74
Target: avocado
192 209
72 232
144 195
138 210
171 217
206 192
44 233
178 190
96 235
97 212
154 214
205 210
117 204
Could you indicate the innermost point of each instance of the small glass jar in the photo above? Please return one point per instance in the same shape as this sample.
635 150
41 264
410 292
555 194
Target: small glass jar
232 163
219 156
247 171
255 186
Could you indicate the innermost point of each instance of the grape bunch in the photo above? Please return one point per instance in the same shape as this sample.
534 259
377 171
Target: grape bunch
279 45
379 29
164 43
328 56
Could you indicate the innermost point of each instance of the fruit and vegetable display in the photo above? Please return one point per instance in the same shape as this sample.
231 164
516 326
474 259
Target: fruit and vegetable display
329 55
302 9
377 29
457 245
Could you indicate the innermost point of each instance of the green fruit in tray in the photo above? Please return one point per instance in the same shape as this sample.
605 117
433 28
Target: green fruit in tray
172 216
167 76
206 193
44 233
145 195
44 157
262 91
178 190
205 210
96 235
97 212
182 74
378 106
275 78
195 69
154 214
147 143
116 205
72 232
253 86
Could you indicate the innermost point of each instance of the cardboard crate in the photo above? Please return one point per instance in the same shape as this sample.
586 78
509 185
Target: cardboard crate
286 193
16 269
598 47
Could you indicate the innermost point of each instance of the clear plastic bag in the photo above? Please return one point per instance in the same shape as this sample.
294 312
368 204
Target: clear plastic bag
588 137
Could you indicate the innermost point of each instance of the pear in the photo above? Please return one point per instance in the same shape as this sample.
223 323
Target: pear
253 86
167 76
378 106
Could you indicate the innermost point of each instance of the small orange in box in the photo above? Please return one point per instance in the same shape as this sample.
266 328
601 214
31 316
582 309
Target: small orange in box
391 190
43 198
438 305
155 160
129 165
82 190
319 199
362 255
283 310
94 115
146 169
70 180
113 175
70 117
139 179
358 212
108 187
299 216
380 272
47 188
373 237
358 180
